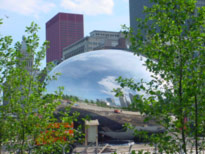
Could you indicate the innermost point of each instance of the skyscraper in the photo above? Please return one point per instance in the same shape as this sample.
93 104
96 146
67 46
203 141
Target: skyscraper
28 58
136 11
62 30
200 3
137 8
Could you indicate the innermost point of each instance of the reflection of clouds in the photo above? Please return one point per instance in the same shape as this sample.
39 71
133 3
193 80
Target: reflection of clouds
103 60
93 74
81 69
132 64
99 55
81 57
77 68
109 84
86 57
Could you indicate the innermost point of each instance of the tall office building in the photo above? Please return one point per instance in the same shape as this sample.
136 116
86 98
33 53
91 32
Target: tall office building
136 11
200 3
137 8
62 30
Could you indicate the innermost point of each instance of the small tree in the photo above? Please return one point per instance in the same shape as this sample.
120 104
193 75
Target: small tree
173 44
28 112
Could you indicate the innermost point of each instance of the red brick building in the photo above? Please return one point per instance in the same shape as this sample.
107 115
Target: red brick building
62 30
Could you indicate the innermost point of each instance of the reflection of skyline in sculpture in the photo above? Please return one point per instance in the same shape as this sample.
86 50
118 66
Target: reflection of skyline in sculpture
131 97
92 75
122 101
111 101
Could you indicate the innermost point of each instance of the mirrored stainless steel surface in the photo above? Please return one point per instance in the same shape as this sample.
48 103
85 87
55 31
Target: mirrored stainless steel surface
92 75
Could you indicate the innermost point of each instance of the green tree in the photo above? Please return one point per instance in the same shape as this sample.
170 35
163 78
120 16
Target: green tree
29 112
173 44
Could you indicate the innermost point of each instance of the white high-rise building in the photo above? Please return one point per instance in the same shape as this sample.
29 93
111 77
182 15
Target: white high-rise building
26 56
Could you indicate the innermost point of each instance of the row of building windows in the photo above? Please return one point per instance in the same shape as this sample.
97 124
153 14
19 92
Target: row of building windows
70 27
70 31
74 52
108 35
95 43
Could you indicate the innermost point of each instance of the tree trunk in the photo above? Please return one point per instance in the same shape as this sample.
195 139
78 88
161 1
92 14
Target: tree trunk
22 144
196 125
181 104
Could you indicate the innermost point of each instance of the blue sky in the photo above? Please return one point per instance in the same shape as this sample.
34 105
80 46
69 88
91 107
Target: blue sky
98 14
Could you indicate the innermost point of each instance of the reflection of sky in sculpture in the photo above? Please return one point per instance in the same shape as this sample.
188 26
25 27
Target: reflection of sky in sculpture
92 75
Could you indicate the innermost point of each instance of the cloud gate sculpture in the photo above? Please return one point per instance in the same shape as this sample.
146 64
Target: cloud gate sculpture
92 75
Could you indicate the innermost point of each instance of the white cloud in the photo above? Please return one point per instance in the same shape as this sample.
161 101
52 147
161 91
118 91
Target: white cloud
89 7
109 84
27 7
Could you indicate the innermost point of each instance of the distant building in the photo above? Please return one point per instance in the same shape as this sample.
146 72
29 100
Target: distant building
200 3
97 40
127 102
131 97
137 7
123 102
27 60
61 31
136 11
26 56
111 101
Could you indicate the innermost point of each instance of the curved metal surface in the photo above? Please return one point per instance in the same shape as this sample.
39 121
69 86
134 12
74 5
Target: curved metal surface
92 75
